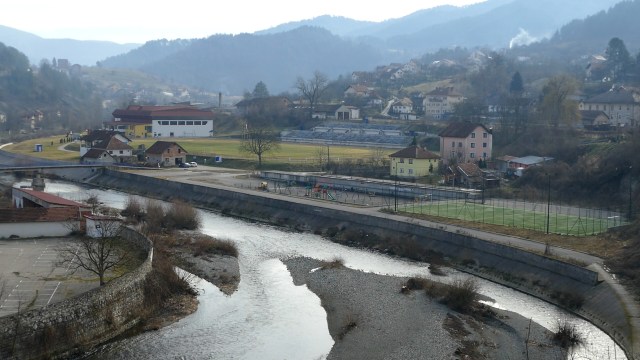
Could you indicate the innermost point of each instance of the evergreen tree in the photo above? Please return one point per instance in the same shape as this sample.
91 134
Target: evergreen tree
618 59
260 91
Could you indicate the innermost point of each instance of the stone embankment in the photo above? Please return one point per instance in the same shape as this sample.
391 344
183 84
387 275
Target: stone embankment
536 274
76 324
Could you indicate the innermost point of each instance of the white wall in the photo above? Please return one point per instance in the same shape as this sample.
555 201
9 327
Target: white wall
201 130
35 229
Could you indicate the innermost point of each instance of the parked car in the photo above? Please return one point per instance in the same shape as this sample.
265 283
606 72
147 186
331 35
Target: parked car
193 164
184 165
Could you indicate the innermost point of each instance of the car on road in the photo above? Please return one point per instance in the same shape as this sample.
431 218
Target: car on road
193 164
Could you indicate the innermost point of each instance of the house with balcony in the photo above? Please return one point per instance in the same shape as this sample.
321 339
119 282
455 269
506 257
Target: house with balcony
98 142
413 162
465 142
165 154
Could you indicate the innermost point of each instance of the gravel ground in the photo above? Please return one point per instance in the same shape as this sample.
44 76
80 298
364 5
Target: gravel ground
369 318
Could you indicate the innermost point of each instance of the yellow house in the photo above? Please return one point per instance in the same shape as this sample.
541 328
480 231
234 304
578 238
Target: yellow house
413 162
131 130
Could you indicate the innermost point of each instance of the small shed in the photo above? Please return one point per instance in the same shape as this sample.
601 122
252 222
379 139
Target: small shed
99 226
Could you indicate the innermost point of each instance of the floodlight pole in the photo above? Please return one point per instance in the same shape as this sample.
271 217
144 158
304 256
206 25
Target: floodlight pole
548 200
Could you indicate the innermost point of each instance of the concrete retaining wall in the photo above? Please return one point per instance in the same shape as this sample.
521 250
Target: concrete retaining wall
93 317
515 267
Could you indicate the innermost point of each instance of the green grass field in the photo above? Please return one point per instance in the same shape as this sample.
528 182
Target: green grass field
559 223
226 148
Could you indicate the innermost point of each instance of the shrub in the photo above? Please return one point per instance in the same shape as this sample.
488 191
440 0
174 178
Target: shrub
133 210
182 216
461 295
154 217
567 335
335 263
213 246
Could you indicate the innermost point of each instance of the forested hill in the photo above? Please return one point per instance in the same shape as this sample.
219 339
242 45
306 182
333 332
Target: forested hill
64 101
592 34
235 63
620 21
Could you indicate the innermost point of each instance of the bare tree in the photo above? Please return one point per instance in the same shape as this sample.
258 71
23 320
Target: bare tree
312 89
97 255
259 141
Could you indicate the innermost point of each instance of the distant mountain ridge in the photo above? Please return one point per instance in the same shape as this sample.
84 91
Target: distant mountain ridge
333 45
81 52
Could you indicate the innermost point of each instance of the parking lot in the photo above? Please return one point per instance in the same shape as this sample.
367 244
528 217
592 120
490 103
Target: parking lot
30 278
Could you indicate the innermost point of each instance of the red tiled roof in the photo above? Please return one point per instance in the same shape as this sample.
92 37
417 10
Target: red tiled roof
50 198
38 215
162 112
414 152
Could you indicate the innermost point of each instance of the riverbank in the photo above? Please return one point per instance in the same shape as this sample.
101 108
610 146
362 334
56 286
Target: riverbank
369 318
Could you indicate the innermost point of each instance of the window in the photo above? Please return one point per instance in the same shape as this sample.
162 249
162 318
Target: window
410 171
204 123
173 122
189 122
459 144
401 161
121 152
485 135
410 161
473 135
401 171
453 144
484 145
472 155
181 123
197 123
484 155
473 145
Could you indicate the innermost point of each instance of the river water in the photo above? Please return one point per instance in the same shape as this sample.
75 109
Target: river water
270 318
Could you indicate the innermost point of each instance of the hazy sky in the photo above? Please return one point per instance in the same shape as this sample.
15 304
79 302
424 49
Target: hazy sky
139 21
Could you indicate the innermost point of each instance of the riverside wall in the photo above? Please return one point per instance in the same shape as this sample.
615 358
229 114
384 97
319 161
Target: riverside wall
76 324
535 274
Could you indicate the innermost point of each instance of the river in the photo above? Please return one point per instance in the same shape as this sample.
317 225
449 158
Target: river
271 318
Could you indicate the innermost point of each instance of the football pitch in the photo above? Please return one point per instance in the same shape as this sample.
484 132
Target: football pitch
557 220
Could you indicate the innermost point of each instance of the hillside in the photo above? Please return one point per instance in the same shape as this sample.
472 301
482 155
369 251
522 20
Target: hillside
590 36
85 53
234 64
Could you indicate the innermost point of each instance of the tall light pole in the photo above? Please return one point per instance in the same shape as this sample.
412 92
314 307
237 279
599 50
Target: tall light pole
548 200
395 190
630 195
